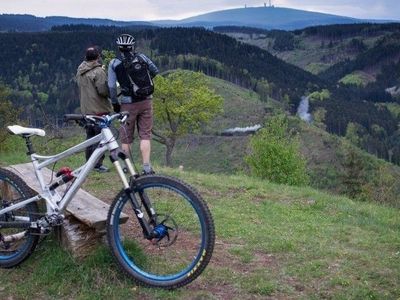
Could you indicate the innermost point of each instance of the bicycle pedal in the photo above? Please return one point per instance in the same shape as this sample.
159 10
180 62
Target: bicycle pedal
55 219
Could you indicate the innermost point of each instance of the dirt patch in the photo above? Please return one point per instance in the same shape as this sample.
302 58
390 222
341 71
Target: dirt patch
222 258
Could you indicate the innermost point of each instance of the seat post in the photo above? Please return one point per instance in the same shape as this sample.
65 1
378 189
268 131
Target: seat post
28 145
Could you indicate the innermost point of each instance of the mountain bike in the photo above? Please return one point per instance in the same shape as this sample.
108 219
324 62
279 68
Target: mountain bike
167 240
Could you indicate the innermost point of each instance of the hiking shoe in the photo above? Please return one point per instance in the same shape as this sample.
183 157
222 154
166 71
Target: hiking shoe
101 169
148 172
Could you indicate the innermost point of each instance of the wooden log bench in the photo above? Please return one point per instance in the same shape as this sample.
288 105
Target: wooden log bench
85 222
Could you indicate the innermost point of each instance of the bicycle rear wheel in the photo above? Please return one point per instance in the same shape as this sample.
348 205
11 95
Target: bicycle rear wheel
187 227
16 242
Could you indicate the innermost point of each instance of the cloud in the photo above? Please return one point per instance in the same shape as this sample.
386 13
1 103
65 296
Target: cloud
364 9
178 9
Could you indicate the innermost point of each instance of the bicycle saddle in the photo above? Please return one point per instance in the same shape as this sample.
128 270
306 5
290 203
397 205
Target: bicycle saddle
19 130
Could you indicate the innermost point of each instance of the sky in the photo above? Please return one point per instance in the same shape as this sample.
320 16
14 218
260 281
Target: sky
143 10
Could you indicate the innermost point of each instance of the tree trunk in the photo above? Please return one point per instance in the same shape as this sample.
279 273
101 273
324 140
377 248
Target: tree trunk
168 154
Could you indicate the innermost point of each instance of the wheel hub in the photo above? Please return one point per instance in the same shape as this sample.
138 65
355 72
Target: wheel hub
165 235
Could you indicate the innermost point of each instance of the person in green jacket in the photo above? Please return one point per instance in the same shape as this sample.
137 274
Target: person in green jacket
93 95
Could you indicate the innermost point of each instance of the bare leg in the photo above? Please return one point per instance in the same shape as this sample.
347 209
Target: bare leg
145 148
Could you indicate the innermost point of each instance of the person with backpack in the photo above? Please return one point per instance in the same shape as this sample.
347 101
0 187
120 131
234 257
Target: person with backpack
93 94
134 72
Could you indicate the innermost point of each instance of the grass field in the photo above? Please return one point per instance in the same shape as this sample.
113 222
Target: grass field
273 241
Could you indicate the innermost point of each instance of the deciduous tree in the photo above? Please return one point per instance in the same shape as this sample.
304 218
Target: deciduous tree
182 104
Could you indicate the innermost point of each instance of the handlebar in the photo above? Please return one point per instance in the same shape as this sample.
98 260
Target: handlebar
93 119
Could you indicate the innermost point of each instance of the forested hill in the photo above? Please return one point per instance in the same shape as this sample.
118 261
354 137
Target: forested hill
40 67
29 23
246 62
383 52
360 63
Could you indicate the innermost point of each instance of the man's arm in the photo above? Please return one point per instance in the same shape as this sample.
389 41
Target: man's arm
152 67
112 82
112 86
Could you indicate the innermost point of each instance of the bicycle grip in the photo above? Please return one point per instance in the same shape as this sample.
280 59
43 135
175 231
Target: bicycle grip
73 117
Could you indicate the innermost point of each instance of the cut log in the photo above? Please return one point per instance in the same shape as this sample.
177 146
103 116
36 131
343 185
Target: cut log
86 216
84 206
78 238
7 191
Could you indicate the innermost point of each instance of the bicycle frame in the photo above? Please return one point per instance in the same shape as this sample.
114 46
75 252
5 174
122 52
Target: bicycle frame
57 204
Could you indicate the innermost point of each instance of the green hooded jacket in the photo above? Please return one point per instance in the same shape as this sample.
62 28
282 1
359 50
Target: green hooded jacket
93 88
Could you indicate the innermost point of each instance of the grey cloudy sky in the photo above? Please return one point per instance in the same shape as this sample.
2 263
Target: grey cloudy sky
177 9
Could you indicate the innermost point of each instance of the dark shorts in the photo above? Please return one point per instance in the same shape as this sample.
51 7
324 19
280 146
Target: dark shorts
140 115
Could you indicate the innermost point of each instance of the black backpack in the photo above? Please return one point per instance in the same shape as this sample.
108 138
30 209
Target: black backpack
139 76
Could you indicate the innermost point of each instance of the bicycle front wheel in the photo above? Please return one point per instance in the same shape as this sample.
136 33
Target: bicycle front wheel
187 229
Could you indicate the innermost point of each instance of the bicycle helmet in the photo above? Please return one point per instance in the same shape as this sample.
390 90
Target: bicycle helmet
125 42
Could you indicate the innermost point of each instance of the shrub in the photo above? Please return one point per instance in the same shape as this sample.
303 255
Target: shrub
275 154
8 113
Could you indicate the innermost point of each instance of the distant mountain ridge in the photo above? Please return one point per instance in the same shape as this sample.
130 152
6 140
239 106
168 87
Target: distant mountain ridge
30 23
268 17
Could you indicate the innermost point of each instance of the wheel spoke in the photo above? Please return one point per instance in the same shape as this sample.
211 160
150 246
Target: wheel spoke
184 238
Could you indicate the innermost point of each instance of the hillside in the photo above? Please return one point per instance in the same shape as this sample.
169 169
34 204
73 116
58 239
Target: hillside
48 63
41 78
43 72
329 162
272 241
359 64
385 51
317 48
326 154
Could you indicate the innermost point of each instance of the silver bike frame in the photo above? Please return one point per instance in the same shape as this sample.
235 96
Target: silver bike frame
57 204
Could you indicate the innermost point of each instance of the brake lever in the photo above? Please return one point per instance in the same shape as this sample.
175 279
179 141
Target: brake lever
123 119
91 119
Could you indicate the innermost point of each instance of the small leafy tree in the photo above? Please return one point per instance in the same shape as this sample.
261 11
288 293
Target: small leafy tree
353 177
319 96
352 133
182 104
107 56
275 154
8 113
319 116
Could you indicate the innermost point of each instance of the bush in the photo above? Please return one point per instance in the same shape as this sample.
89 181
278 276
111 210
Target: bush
275 154
383 187
8 113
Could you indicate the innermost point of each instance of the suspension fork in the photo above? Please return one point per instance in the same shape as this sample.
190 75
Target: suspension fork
147 230
148 207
